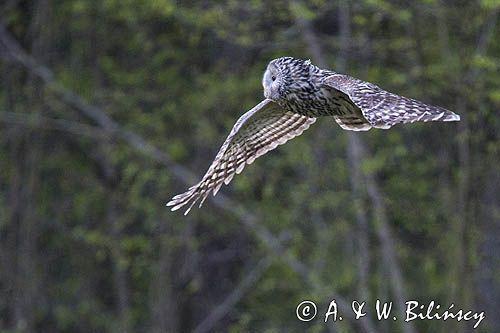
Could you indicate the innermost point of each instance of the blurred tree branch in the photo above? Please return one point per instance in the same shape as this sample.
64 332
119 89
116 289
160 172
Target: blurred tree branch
35 121
230 301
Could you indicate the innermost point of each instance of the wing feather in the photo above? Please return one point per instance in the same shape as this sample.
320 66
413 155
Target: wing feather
258 131
383 109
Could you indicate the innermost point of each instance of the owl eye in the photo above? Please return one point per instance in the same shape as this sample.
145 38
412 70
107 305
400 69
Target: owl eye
273 78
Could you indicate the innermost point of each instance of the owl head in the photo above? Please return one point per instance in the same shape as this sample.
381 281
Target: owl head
282 75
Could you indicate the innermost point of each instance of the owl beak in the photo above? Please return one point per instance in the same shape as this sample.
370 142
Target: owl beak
268 93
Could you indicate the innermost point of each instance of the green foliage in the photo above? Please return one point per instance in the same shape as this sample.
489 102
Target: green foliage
82 218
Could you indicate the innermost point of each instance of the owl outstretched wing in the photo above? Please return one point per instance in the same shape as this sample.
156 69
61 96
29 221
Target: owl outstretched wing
383 109
258 131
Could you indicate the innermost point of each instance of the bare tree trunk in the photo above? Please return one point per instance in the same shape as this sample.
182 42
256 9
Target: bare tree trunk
164 304
362 240
488 271
354 158
26 292
27 276
119 271
457 252
9 231
22 240
388 248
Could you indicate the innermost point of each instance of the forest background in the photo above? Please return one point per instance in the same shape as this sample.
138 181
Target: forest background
109 108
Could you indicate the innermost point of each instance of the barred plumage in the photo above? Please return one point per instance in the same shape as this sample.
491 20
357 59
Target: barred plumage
297 92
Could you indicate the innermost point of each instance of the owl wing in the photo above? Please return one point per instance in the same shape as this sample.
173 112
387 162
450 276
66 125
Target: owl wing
258 131
383 109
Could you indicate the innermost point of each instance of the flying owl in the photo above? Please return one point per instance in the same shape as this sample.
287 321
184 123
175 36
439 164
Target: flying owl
296 93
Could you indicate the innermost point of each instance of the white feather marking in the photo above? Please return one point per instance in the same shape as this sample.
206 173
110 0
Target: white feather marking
439 116
422 115
452 117
217 188
228 179
240 168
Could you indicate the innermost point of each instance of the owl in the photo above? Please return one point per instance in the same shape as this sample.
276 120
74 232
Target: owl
296 93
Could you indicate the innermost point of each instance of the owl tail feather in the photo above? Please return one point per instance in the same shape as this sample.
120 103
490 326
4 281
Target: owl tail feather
440 115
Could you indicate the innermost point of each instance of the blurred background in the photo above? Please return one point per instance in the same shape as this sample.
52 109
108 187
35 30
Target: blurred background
109 108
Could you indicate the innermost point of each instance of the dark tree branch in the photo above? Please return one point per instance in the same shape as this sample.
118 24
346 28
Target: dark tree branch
35 121
236 295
